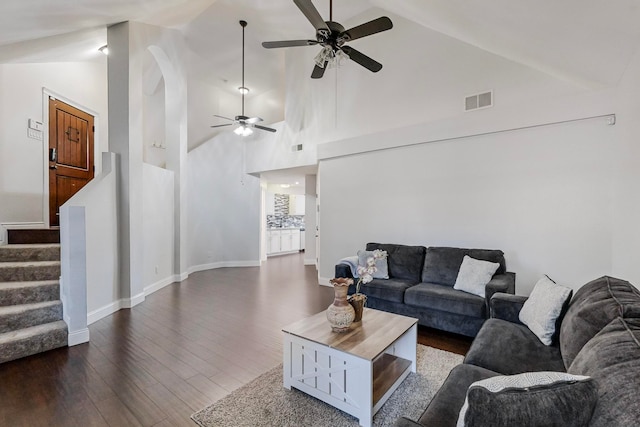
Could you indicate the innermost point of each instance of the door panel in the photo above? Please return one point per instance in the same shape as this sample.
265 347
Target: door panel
71 135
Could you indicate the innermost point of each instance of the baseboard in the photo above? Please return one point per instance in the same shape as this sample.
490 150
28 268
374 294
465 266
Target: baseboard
324 281
309 261
223 264
161 284
103 312
133 301
78 337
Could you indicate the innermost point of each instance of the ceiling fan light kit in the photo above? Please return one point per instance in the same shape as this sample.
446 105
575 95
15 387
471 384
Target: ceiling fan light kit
332 37
245 123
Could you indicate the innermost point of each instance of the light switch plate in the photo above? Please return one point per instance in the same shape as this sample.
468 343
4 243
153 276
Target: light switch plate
34 134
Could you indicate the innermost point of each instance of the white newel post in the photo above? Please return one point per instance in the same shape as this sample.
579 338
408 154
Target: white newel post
73 283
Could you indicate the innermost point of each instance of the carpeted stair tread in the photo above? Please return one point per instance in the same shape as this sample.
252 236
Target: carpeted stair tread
12 293
15 317
36 339
28 271
30 252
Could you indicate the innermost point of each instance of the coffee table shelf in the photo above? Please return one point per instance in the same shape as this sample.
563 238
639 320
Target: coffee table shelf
354 371
386 372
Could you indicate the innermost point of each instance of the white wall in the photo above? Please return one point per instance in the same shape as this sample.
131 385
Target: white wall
543 196
626 179
310 219
224 206
99 199
558 199
158 214
21 158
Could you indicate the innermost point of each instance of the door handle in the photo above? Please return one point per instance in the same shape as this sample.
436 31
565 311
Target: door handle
53 167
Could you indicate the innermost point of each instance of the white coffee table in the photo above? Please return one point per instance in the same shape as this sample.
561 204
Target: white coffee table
354 371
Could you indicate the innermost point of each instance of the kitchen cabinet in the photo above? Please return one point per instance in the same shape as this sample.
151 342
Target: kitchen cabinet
296 204
280 241
273 241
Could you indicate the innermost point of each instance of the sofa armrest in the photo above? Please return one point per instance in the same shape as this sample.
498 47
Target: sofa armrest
505 283
406 422
507 307
343 270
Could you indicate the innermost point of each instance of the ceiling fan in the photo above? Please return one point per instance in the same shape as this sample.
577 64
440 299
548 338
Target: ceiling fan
332 37
245 122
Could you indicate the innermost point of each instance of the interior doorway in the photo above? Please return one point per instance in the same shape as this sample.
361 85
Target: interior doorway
288 217
71 154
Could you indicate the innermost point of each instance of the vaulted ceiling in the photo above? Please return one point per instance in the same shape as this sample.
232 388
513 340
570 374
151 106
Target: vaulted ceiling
587 42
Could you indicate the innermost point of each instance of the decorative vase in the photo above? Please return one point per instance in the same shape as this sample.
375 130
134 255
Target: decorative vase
340 314
358 302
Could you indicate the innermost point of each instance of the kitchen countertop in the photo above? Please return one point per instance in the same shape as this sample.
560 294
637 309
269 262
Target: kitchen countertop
282 228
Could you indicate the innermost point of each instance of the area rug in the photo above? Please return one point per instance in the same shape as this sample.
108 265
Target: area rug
265 402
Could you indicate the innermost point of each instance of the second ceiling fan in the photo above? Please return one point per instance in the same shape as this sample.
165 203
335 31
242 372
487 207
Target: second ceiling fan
332 36
245 123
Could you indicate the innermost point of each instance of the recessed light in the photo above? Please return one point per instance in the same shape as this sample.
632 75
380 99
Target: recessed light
104 49
285 185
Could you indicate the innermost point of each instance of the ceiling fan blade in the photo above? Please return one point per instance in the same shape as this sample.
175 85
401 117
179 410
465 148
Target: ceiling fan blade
222 117
288 43
372 27
362 59
252 120
312 14
318 71
219 126
264 128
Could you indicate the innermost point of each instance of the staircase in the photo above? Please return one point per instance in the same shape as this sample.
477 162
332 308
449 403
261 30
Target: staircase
30 307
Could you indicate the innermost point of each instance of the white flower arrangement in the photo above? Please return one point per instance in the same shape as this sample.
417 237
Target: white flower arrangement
365 272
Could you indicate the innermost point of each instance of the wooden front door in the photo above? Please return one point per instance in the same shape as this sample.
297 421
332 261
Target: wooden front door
70 154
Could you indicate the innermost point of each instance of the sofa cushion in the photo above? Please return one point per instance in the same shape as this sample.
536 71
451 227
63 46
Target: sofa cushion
445 406
543 307
593 306
445 298
386 289
530 399
474 274
404 262
441 264
612 358
511 348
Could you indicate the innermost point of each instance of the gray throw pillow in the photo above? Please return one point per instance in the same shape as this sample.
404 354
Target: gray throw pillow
382 267
530 399
541 310
474 274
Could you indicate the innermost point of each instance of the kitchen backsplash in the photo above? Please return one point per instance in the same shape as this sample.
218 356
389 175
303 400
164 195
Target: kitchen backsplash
285 221
281 204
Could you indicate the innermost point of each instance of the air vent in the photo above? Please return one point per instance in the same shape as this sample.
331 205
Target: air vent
476 102
296 147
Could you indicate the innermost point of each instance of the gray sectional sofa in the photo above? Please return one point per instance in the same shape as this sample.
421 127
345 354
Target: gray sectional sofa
599 337
420 285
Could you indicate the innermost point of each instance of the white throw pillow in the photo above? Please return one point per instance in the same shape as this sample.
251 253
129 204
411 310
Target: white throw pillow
474 275
382 268
519 382
541 310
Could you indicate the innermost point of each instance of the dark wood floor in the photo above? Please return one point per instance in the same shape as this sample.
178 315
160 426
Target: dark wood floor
187 345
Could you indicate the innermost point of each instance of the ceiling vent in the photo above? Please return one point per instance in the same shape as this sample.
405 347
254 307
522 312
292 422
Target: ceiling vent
296 147
476 102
